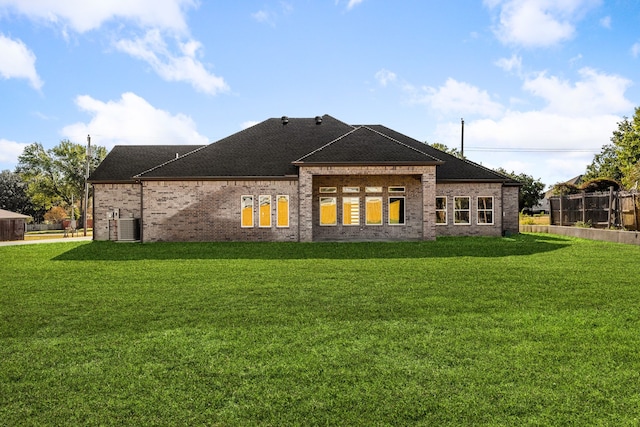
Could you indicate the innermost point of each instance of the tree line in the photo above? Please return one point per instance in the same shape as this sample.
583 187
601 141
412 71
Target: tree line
48 183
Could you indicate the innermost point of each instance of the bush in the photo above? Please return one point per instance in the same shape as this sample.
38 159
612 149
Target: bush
55 215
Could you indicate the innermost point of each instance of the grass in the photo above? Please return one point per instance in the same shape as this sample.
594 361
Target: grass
530 330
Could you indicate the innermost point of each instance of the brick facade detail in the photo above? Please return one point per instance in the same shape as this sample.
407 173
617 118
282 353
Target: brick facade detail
107 198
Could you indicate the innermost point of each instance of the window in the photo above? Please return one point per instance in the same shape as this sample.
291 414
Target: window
351 210
461 210
374 211
246 207
396 210
396 189
485 210
282 211
328 211
350 189
265 211
328 189
373 189
441 210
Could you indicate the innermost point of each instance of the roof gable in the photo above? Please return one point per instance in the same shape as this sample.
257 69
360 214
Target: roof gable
364 145
4 214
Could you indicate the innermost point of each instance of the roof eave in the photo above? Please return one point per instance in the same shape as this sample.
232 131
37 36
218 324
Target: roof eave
381 163
221 178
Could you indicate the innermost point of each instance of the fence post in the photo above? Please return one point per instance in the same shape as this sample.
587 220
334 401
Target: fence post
610 206
584 208
635 211
561 197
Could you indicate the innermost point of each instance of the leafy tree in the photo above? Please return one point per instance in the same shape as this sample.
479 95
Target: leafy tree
619 160
14 197
55 215
443 147
58 174
531 192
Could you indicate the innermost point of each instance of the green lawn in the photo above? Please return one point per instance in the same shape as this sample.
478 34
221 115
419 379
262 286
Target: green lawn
531 330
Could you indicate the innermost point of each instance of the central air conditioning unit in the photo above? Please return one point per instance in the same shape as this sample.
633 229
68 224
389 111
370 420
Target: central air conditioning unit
129 229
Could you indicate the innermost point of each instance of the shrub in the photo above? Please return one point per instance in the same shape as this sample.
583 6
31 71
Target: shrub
55 214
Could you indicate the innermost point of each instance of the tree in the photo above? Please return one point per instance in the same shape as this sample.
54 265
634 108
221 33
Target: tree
14 197
619 160
55 215
531 192
443 147
58 174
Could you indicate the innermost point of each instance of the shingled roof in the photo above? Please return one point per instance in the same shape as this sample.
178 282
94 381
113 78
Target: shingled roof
277 147
125 161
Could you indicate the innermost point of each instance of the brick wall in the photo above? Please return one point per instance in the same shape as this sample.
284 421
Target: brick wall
106 199
473 190
210 210
510 221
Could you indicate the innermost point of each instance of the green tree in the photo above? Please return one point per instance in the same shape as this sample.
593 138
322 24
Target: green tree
619 160
14 196
57 175
531 192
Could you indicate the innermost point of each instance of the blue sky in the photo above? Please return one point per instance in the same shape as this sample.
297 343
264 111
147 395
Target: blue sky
540 84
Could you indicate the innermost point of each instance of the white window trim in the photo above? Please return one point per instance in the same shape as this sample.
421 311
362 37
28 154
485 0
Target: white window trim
445 210
381 211
462 210
261 196
328 190
253 214
373 190
404 208
492 210
278 210
344 216
350 190
404 189
320 211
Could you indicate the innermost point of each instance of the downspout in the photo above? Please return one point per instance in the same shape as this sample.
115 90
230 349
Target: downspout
141 212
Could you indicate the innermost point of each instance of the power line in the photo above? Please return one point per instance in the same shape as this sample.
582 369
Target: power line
536 150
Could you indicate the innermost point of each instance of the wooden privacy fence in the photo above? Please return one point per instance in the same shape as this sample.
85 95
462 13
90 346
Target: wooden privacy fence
602 209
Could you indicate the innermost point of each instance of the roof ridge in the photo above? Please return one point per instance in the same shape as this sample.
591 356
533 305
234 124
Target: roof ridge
171 161
327 144
401 143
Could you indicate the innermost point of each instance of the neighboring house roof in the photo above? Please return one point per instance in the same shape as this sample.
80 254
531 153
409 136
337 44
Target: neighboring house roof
125 161
12 215
277 147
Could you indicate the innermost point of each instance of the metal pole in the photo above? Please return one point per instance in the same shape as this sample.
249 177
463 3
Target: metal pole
462 138
86 185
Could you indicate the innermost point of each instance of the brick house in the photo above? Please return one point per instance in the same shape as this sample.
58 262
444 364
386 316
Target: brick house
302 180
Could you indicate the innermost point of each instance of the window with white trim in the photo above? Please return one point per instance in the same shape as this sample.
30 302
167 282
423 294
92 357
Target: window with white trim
351 211
396 210
350 189
373 189
264 203
328 211
373 210
441 210
396 189
485 210
282 210
462 210
246 211
328 189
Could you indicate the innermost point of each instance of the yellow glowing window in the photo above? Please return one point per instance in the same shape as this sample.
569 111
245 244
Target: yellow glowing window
265 210
374 211
328 211
351 210
246 207
282 208
396 210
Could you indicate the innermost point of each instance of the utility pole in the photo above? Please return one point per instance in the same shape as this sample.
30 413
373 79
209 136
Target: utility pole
462 138
86 185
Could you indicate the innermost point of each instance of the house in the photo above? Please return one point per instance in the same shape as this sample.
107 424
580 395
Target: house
12 225
300 180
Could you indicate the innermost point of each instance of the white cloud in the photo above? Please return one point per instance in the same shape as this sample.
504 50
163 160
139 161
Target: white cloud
82 16
264 17
635 50
513 64
17 61
384 77
9 152
184 66
538 23
593 94
606 22
131 120
459 98
353 3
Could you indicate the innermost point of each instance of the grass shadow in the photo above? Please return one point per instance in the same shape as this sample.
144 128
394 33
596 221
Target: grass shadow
443 247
